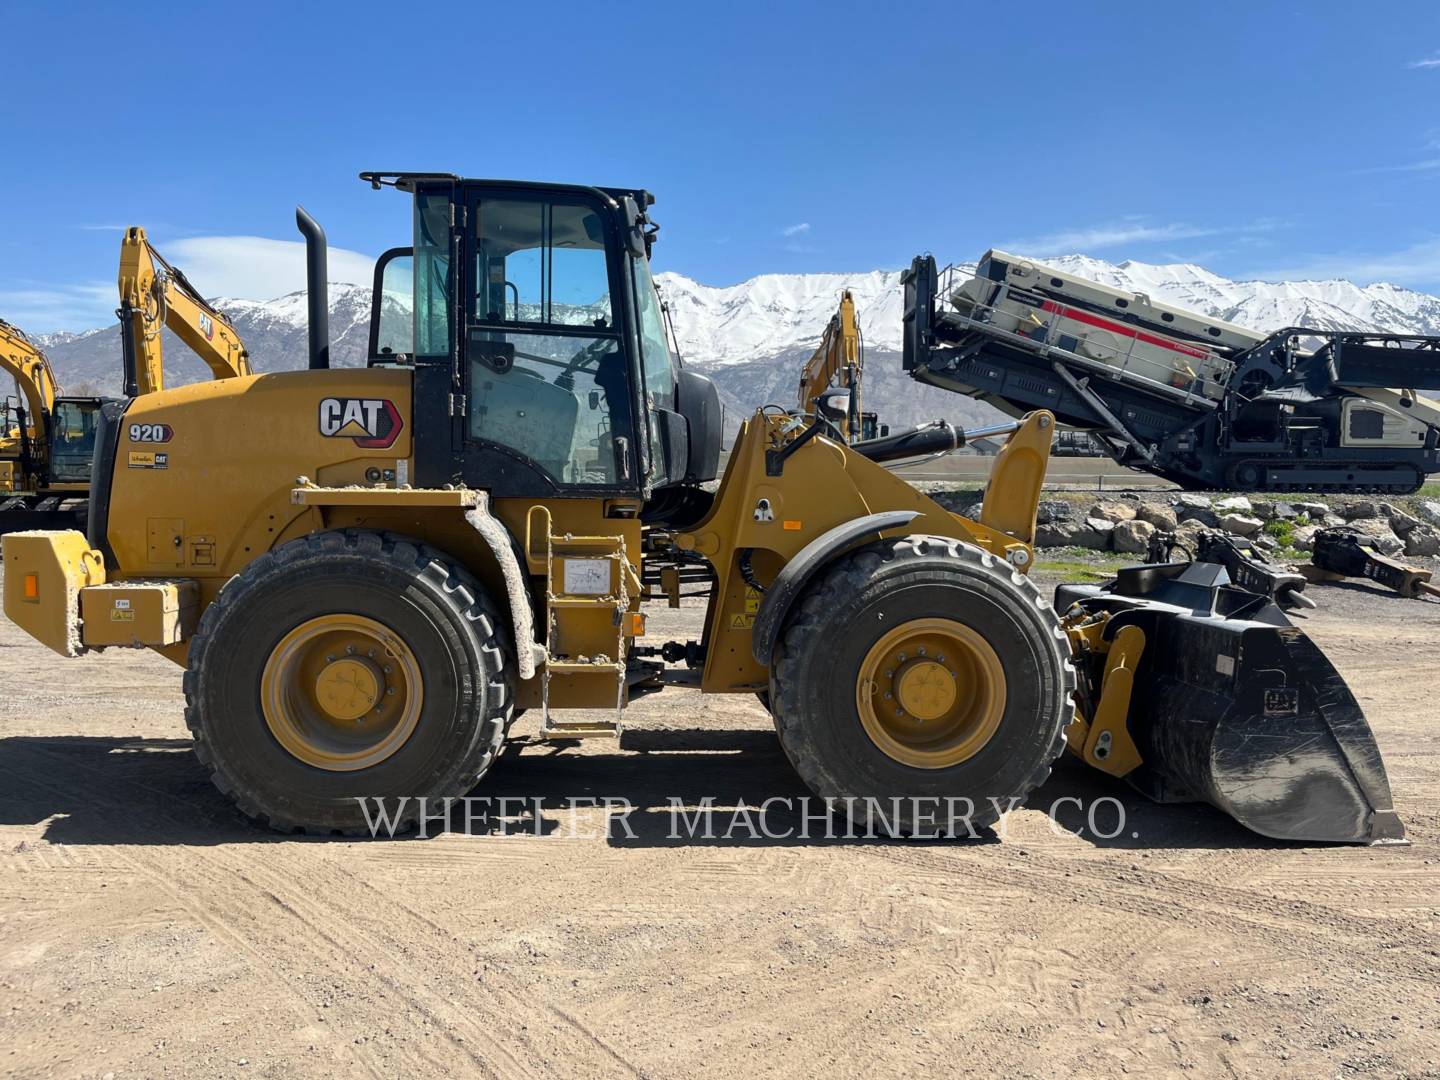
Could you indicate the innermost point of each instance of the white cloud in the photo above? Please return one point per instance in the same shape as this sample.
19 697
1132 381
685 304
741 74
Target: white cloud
44 309
796 230
1117 234
1428 62
256 268
1130 231
234 267
1417 266
1427 165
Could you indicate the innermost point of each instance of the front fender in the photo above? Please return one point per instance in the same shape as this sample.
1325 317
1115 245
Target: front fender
796 573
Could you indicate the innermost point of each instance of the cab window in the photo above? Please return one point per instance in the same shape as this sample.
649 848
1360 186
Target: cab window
655 357
547 367
432 275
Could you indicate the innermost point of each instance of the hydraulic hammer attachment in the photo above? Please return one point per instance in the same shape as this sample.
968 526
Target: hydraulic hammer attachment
1341 553
1223 701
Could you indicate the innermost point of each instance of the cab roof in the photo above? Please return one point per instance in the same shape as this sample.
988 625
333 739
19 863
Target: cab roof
408 181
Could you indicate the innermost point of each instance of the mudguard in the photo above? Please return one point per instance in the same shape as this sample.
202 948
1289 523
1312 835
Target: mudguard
799 570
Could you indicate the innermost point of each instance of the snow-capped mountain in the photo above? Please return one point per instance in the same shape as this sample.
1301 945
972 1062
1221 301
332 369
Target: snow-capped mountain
752 337
777 311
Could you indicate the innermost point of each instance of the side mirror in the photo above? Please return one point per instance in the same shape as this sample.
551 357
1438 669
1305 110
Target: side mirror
834 404
634 228
675 434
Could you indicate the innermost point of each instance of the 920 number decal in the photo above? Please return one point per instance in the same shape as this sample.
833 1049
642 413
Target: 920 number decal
151 433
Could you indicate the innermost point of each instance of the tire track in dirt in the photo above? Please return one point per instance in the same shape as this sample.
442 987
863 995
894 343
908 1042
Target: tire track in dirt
1177 905
260 965
267 957
287 894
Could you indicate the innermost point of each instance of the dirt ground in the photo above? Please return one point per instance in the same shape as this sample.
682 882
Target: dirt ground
146 931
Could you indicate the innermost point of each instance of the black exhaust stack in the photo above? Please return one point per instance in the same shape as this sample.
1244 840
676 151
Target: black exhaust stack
317 288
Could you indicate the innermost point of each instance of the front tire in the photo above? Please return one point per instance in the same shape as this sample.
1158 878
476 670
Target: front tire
922 686
348 666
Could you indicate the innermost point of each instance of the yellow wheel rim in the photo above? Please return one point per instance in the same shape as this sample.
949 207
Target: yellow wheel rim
341 692
931 693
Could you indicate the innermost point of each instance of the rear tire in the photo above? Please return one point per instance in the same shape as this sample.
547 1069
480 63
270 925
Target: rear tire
262 729
994 709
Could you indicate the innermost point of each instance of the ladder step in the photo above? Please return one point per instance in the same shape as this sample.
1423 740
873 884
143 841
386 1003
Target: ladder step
577 667
580 729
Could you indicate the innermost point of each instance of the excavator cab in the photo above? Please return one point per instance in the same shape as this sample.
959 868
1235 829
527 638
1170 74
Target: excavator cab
72 439
533 324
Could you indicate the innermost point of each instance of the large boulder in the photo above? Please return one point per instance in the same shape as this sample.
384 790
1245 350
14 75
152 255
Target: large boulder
1132 537
1112 512
1240 525
1162 517
1376 534
1104 530
1191 501
1422 540
1235 504
1400 522
1360 511
1049 511
1208 518
1302 537
1313 510
1429 511
1072 534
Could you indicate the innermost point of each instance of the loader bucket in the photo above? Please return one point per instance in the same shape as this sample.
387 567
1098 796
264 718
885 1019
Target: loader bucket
1233 705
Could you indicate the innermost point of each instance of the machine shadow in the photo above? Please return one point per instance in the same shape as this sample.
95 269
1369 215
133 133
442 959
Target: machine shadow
669 788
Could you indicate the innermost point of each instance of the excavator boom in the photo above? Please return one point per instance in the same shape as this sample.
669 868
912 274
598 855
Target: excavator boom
837 362
23 360
155 295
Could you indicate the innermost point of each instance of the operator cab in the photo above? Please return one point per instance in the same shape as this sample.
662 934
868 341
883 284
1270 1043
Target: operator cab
72 439
541 361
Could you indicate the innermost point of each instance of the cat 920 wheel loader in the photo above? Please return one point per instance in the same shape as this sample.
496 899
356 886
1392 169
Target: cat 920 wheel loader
366 573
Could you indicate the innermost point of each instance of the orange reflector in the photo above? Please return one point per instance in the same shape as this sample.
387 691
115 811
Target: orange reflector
32 586
792 526
637 624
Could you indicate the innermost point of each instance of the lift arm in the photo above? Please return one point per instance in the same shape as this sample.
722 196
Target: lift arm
837 362
154 295
22 359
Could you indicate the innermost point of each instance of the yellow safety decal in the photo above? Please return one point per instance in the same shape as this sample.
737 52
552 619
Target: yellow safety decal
742 622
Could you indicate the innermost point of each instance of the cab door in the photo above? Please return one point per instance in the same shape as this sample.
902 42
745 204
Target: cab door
550 387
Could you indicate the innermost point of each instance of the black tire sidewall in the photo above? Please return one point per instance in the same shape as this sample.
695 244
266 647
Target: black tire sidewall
828 737
417 610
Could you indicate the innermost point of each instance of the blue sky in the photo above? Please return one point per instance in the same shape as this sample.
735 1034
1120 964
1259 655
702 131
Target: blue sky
1260 140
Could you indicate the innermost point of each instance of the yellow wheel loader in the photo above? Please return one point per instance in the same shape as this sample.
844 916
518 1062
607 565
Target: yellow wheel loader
366 573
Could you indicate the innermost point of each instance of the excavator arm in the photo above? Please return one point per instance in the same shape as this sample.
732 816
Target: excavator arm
22 359
837 362
155 295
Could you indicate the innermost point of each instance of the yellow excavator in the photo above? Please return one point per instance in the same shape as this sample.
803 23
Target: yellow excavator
830 379
46 441
154 296
366 573
46 451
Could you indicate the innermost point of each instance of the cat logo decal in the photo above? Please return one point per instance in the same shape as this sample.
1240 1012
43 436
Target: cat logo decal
373 423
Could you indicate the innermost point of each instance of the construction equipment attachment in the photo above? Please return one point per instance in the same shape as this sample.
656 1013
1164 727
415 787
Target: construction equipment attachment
1196 688
1197 400
1343 553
